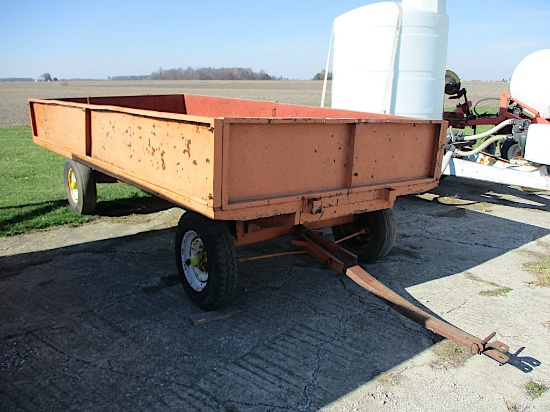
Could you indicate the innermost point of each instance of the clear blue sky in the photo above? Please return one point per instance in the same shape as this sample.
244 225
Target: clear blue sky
289 38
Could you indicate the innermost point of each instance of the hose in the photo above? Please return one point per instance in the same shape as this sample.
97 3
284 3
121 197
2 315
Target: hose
453 150
481 147
491 131
447 158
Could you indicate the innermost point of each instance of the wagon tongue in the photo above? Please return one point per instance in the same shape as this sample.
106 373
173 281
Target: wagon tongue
343 261
495 350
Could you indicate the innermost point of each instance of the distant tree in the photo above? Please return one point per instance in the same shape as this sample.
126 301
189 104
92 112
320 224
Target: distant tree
47 77
321 76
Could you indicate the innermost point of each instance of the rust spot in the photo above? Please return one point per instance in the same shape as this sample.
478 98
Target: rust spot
207 160
163 164
195 162
188 145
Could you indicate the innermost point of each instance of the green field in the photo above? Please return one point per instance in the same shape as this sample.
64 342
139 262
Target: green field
32 194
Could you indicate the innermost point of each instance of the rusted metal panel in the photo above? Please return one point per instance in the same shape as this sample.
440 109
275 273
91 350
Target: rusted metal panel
169 103
269 161
63 129
209 106
272 160
176 157
293 110
389 151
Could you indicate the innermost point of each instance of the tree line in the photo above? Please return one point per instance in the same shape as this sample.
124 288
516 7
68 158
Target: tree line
321 76
209 73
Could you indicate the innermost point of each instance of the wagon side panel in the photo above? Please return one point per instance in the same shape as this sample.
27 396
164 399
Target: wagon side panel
59 128
325 167
393 152
271 160
176 159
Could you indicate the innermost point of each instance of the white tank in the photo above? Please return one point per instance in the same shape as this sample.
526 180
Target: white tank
391 58
530 84
537 147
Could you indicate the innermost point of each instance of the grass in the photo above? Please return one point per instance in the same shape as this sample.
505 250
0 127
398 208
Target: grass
450 354
32 194
495 292
542 270
499 291
535 389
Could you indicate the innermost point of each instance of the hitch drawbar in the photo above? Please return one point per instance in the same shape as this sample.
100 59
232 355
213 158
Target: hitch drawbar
345 262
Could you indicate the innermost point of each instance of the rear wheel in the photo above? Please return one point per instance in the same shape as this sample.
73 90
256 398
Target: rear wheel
206 261
80 187
378 238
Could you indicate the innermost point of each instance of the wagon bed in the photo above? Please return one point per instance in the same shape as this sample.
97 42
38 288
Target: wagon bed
241 160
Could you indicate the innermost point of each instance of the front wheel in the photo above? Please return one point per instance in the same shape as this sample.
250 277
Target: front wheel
377 240
205 257
80 187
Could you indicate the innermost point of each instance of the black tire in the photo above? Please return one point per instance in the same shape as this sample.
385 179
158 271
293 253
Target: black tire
509 149
376 242
80 187
205 257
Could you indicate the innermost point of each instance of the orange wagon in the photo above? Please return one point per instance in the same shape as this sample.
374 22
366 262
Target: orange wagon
245 171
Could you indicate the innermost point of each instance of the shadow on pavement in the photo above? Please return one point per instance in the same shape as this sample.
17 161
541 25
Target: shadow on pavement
106 325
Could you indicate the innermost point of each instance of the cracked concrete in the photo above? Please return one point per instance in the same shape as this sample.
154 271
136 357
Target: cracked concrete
92 319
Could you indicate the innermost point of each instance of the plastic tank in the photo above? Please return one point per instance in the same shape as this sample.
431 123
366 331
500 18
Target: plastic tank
530 84
537 147
391 58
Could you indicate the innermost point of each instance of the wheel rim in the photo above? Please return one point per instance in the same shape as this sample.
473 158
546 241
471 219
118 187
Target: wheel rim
513 151
360 222
194 261
73 186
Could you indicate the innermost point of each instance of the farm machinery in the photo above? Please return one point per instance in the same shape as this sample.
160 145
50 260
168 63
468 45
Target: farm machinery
516 148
